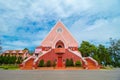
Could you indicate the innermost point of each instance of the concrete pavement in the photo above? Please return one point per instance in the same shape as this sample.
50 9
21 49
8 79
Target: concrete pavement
60 74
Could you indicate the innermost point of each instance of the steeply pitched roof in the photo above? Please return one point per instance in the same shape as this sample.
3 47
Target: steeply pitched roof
59 32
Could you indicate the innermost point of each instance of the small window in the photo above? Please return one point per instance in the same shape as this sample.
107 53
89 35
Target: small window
59 30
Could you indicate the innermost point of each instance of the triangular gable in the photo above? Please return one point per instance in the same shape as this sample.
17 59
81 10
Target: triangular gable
59 31
57 38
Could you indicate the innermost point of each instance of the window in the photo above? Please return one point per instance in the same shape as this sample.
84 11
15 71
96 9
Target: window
59 30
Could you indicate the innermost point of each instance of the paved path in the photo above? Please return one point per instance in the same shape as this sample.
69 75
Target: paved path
60 74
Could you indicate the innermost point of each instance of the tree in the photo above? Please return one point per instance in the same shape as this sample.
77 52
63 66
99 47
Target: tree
13 59
103 54
87 49
100 53
96 57
114 50
30 52
5 59
26 49
8 59
1 59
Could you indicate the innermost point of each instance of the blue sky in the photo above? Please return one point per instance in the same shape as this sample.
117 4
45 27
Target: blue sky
25 23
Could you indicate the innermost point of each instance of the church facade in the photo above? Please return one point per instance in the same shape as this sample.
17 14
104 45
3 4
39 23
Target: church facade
58 46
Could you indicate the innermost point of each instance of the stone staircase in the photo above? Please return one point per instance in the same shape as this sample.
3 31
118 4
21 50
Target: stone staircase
91 63
32 62
28 64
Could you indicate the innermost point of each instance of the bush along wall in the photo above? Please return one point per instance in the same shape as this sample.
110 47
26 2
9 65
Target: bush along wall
41 63
69 63
78 64
48 63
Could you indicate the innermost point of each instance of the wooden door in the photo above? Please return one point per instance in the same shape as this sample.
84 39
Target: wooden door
59 63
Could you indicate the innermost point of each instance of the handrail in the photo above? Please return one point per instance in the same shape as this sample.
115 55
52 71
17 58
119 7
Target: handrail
93 60
78 54
43 53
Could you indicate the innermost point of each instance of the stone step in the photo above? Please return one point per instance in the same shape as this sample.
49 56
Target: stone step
91 65
28 64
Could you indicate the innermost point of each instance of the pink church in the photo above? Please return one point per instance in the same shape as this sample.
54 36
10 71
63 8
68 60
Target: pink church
58 46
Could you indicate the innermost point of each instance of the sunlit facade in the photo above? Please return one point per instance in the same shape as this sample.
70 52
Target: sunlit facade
58 46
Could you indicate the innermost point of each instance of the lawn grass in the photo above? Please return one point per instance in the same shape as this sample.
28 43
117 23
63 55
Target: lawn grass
9 67
107 68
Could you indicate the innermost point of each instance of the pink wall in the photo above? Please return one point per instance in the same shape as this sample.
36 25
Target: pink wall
53 56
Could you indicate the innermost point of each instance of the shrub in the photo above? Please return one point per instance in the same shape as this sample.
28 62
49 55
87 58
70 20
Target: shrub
41 63
67 62
48 64
71 62
78 64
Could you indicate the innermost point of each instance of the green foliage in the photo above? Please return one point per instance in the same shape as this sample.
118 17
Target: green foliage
104 56
41 63
5 59
69 62
10 60
48 63
10 66
96 57
26 49
78 64
87 49
114 50
1 59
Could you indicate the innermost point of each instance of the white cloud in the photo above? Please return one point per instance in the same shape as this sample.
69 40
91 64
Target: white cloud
11 48
101 30
94 19
17 43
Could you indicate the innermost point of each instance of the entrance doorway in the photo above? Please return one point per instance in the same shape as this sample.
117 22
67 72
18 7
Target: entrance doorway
59 47
59 63
59 44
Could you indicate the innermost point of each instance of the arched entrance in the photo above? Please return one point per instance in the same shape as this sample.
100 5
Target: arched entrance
59 46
